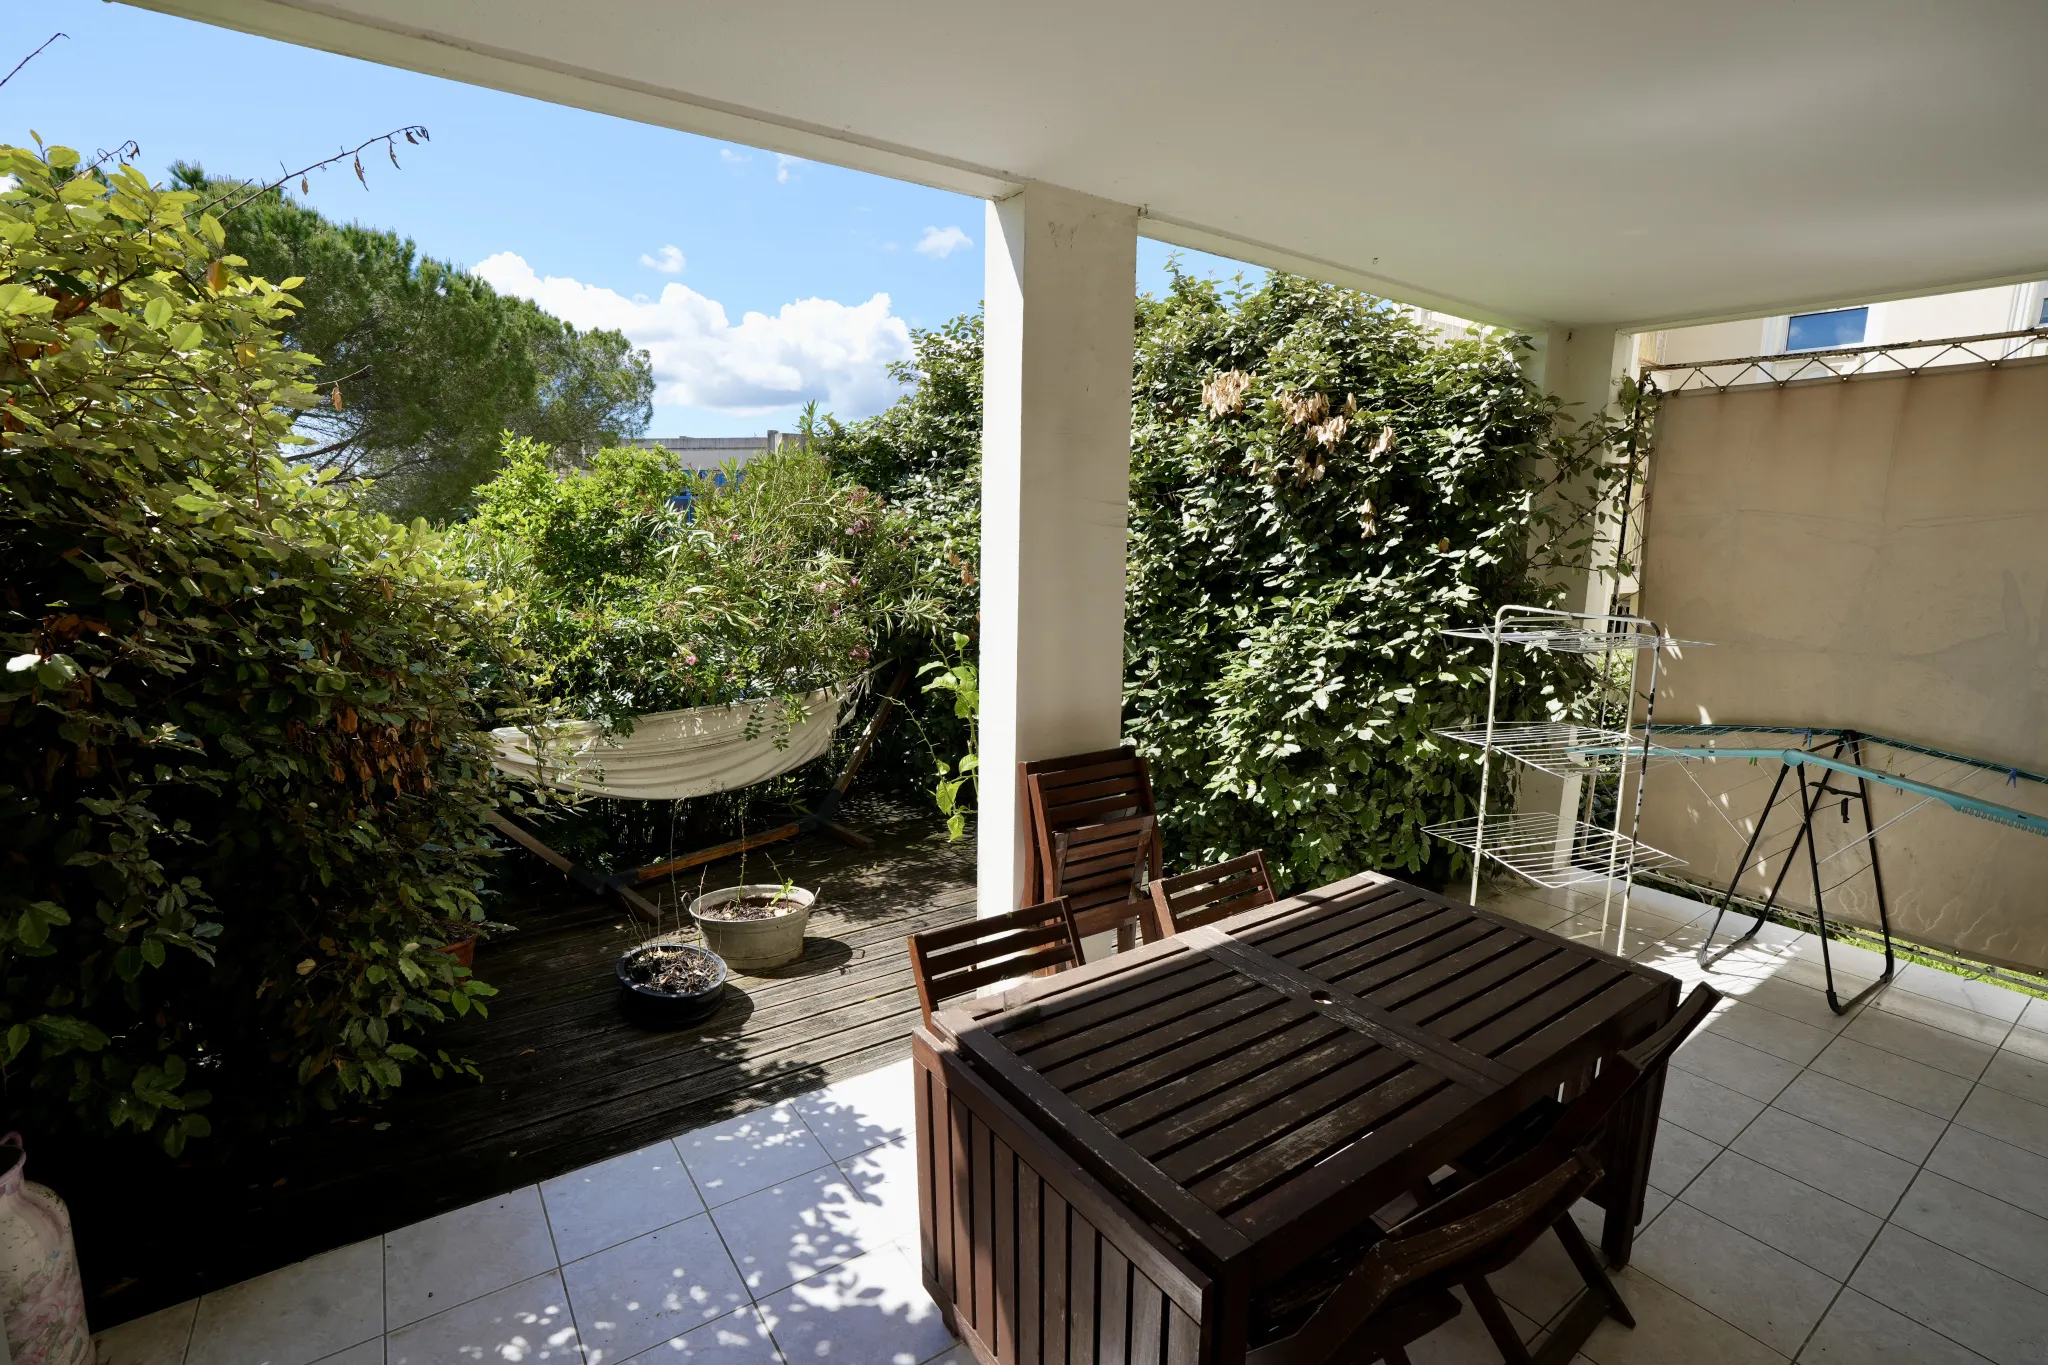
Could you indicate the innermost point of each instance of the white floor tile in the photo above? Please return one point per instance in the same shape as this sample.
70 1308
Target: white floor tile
1843 1167
605 1204
1766 1293
1678 1155
2021 1066
1934 1046
1742 1022
1861 1331
1795 1218
1743 1069
885 1178
1951 1018
1970 993
295 1315
1982 1227
1999 1318
741 1339
1789 1000
1926 1088
873 1310
1541 1281
1984 1163
1670 1330
654 1288
864 1111
1463 1339
2008 1117
1713 1111
791 1231
1869 1118
157 1339
434 1265
750 1153
526 1323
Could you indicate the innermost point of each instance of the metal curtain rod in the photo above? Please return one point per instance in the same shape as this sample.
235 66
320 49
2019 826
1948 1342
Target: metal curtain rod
1905 746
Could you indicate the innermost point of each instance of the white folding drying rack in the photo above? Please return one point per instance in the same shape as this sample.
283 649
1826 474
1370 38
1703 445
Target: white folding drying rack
1556 849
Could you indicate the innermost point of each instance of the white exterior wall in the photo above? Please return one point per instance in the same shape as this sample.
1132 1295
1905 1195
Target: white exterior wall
1055 489
1970 313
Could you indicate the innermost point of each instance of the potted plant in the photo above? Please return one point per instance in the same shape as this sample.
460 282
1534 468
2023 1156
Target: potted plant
460 940
665 983
756 925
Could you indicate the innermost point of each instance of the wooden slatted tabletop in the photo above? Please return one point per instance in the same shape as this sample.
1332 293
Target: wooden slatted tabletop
1255 1088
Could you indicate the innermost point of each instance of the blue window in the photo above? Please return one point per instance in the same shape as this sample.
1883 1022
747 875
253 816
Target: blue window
2042 321
1818 331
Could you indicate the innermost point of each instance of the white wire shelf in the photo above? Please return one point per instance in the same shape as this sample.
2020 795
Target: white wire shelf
1532 845
1561 748
1575 639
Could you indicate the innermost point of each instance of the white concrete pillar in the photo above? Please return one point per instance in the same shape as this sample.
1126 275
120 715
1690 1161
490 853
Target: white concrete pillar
1583 365
1055 492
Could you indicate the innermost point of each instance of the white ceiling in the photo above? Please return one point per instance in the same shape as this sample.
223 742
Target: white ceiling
1580 161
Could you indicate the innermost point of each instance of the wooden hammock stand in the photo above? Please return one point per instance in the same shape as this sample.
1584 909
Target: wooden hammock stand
624 885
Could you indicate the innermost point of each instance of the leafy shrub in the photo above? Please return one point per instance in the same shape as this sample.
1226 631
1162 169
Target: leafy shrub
241 780
923 456
1319 487
643 587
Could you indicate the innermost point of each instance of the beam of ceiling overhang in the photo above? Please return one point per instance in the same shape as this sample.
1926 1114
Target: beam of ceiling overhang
307 23
353 28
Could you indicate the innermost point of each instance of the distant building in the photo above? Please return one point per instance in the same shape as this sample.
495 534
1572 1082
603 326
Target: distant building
707 453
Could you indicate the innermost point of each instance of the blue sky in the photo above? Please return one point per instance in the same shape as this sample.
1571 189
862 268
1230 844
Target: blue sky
673 238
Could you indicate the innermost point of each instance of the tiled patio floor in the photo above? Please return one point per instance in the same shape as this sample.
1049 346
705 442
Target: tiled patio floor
1862 1191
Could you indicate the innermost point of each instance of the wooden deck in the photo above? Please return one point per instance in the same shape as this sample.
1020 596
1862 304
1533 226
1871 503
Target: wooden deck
567 1081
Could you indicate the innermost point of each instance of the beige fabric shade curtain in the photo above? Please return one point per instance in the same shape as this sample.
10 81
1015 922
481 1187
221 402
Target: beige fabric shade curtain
675 755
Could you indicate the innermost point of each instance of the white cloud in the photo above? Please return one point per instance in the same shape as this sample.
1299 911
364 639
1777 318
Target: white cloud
669 260
939 243
735 157
811 349
784 164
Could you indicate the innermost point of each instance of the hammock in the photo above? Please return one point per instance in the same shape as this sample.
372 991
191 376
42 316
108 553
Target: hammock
674 755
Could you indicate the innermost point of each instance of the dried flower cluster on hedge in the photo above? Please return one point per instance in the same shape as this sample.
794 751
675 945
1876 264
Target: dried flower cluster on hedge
241 773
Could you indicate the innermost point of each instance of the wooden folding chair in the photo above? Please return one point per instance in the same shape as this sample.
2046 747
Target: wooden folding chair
1080 789
1541 1139
1207 894
1370 1297
1097 869
965 957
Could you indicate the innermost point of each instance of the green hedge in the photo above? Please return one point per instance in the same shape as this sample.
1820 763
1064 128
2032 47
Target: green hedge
1319 485
241 776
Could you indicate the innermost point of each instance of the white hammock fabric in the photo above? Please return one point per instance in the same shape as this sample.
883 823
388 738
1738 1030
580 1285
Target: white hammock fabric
675 755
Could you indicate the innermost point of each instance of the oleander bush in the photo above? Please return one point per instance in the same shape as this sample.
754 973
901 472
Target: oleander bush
242 778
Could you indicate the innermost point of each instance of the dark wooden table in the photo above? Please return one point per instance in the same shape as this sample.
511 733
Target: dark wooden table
1112 1160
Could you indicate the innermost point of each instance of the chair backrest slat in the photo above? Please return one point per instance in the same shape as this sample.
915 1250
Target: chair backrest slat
1097 867
1080 789
1208 894
961 958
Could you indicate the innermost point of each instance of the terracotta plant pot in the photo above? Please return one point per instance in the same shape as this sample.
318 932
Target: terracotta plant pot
463 950
752 944
655 1008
